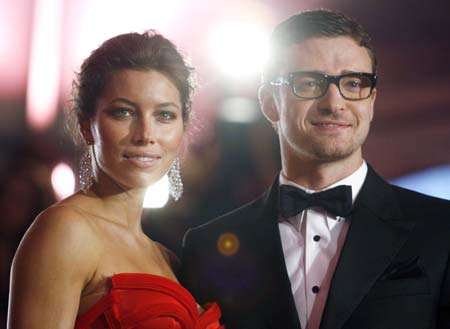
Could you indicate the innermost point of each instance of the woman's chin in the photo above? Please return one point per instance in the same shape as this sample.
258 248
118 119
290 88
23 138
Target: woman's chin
144 183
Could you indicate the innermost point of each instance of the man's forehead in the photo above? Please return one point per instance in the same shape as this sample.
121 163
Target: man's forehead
322 53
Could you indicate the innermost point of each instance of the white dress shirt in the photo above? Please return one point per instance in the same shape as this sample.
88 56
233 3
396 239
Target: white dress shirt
312 242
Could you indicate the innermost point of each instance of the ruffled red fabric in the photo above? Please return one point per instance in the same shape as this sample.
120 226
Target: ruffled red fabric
147 301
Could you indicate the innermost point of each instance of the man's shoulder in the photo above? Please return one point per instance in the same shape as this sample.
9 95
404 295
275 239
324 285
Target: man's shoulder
416 200
236 216
410 202
240 219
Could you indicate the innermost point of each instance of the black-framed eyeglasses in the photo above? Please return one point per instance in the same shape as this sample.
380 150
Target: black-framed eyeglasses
353 86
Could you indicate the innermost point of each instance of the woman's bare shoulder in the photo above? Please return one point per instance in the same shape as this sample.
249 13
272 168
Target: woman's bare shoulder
56 258
62 219
61 235
73 215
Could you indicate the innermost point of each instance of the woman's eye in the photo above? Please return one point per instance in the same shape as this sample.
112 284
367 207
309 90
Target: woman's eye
167 115
122 112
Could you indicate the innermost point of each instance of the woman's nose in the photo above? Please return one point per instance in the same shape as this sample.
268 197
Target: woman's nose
143 133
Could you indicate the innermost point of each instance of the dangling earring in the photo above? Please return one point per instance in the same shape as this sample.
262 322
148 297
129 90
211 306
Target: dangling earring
86 176
175 183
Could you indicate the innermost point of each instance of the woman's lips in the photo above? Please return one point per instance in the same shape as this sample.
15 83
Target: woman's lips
142 160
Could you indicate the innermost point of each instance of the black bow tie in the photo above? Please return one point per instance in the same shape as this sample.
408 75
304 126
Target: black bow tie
337 200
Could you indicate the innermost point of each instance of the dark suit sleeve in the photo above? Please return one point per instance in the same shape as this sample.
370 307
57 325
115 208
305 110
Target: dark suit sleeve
444 305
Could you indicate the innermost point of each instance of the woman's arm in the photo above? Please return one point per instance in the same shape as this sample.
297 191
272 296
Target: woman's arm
53 263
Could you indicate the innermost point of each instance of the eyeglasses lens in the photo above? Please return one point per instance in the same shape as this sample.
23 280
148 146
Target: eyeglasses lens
310 85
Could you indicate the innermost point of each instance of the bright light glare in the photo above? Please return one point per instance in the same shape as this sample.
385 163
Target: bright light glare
433 181
93 26
43 78
239 110
63 180
239 49
157 194
13 54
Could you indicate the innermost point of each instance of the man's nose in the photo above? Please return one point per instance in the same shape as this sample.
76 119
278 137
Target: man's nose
332 100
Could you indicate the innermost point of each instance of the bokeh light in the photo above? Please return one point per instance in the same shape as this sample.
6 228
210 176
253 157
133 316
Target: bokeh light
228 244
239 110
63 180
14 30
157 194
44 70
239 48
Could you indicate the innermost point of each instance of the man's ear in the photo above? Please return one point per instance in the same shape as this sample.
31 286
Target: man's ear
267 103
372 102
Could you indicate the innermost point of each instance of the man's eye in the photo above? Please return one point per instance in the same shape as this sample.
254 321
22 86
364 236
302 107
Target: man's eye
307 83
355 83
311 83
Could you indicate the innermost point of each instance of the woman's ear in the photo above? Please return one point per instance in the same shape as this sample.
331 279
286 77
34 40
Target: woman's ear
85 131
267 103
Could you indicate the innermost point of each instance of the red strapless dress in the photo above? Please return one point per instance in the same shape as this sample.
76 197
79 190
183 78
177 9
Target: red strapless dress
146 301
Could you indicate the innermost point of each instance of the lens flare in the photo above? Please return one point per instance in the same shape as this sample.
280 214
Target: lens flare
228 244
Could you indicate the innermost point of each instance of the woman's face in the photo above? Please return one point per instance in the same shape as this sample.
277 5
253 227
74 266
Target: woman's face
137 128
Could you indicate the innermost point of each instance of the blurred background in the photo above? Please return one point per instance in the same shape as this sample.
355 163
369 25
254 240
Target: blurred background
233 153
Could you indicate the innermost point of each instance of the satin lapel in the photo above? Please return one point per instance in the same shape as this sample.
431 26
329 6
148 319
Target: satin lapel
281 306
377 232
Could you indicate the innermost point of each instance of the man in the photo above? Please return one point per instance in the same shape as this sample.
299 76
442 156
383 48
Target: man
330 245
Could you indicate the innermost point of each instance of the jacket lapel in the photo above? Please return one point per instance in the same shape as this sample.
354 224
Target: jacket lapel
377 232
281 308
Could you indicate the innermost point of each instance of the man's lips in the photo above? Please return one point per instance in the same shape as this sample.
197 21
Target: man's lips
330 124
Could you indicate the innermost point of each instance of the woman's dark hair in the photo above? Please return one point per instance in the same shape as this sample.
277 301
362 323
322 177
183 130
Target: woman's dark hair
146 51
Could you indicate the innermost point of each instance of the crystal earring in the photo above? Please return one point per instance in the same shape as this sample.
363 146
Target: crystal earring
85 174
175 183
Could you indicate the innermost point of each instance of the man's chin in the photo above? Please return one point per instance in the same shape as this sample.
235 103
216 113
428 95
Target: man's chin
328 154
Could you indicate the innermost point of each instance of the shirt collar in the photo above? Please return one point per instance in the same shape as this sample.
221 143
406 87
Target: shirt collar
355 180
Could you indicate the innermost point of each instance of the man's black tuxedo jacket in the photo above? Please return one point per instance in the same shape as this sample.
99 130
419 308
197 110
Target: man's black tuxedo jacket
393 271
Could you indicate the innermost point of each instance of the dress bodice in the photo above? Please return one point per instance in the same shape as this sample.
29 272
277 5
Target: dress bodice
147 301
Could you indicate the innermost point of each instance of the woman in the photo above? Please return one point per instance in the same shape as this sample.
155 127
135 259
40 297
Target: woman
85 262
